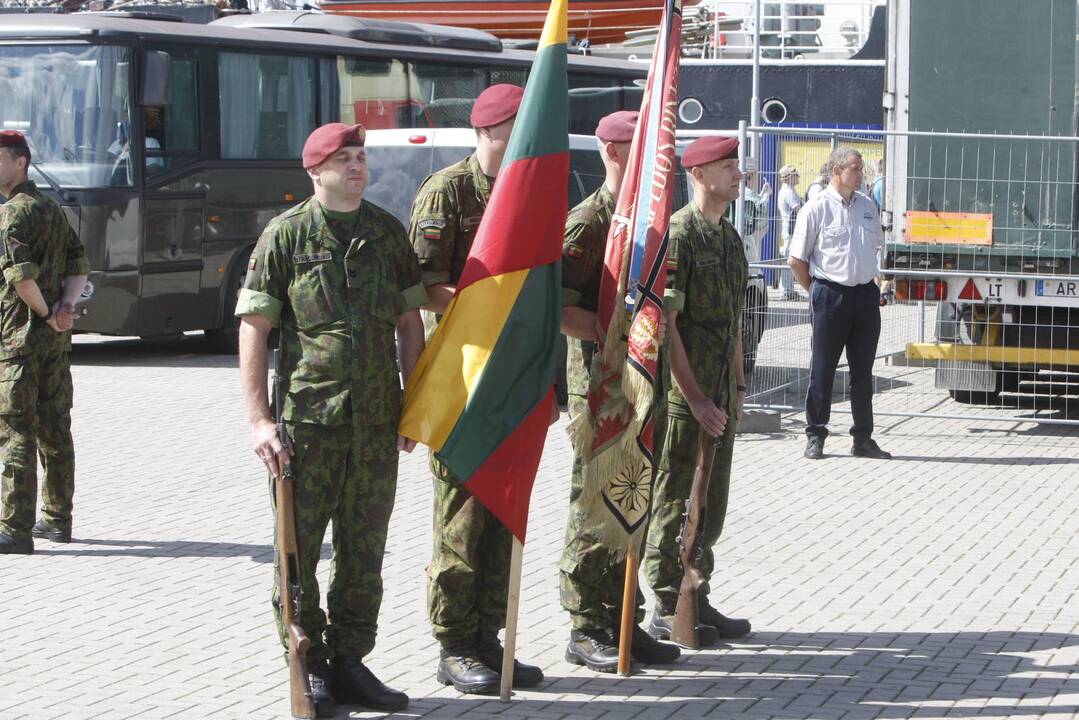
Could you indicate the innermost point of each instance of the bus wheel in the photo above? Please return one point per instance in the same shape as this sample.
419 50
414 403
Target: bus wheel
225 340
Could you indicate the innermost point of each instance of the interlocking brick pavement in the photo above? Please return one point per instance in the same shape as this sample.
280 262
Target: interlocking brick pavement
942 584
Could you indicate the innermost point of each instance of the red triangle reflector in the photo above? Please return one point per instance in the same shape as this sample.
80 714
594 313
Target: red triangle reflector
970 291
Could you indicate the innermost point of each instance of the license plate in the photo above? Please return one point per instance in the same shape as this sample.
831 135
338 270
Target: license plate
1057 288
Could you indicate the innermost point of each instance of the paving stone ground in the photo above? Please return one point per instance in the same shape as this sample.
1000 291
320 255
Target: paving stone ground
944 583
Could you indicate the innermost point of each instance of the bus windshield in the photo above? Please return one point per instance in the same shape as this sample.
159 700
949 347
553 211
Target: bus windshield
72 103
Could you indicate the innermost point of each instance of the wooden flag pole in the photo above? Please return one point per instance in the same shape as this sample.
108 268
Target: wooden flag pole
629 611
513 603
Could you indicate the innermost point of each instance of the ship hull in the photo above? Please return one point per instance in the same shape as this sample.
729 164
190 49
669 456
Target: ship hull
600 21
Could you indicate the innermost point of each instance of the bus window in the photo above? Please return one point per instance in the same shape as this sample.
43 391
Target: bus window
72 102
172 132
374 92
446 92
267 105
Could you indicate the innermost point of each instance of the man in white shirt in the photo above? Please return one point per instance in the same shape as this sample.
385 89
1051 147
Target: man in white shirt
833 255
789 203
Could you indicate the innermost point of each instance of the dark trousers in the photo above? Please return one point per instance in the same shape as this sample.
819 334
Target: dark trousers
848 318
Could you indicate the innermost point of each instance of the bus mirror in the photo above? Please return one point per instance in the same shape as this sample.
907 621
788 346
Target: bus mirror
156 73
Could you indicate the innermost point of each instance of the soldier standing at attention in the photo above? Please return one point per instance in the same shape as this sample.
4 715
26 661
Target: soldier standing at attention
337 276
590 574
45 270
468 578
706 289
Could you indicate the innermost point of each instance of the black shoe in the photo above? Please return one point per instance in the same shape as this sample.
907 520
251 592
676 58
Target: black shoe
728 628
47 531
594 649
868 448
354 684
650 651
814 448
13 546
463 668
660 628
320 680
490 651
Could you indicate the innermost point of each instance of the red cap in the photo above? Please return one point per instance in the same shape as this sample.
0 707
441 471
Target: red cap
617 127
496 104
328 139
709 149
13 139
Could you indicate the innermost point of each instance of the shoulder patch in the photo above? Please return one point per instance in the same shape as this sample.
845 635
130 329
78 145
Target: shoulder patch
431 223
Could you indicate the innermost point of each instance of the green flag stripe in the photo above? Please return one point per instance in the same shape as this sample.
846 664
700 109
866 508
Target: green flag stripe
543 121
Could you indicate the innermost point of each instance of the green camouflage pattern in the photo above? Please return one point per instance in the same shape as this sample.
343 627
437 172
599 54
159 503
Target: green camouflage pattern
36 243
591 576
706 285
674 479
706 281
583 249
468 577
35 423
336 293
469 573
347 475
445 217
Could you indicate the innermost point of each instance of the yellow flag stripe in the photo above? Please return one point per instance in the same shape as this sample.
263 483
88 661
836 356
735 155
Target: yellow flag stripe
555 28
453 363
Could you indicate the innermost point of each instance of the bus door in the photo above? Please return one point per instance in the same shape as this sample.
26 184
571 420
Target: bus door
174 205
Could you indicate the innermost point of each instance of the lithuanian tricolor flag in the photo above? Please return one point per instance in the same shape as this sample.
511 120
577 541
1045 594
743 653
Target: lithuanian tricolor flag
481 395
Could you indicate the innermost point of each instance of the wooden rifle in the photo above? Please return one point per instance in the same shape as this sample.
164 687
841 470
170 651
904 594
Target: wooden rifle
288 567
686 614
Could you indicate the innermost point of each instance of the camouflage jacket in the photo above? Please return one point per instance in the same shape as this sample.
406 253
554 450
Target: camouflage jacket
583 250
36 243
706 285
445 217
336 294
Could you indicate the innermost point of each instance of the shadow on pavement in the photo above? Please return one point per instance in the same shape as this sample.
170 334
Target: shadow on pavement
803 676
162 549
175 351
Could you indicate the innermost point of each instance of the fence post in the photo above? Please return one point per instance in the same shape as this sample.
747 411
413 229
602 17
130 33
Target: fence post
740 206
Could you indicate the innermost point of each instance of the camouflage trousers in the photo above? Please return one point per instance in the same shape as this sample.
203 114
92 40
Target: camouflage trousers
468 578
674 478
347 475
35 422
591 577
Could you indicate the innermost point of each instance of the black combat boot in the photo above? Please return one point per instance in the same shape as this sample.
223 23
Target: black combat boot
13 546
354 684
595 649
320 680
460 665
729 628
47 531
662 620
650 651
490 651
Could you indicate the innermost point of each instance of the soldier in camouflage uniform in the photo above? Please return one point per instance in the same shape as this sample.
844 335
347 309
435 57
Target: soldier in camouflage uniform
706 287
337 276
468 578
591 576
45 271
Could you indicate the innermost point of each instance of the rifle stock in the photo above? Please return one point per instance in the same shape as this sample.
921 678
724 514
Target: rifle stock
684 625
288 572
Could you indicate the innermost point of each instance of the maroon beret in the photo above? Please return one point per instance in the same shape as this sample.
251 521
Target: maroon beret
709 149
496 104
617 127
328 139
13 139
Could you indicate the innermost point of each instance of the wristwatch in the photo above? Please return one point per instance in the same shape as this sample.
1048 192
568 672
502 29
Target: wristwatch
46 316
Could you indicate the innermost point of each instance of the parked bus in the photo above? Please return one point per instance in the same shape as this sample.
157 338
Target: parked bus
170 145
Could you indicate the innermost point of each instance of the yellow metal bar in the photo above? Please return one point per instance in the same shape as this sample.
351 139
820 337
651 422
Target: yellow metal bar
986 354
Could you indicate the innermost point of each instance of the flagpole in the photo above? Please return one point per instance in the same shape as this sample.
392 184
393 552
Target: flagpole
629 612
513 603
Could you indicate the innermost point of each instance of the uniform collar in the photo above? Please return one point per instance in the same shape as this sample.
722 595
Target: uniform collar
834 194
482 182
27 186
322 227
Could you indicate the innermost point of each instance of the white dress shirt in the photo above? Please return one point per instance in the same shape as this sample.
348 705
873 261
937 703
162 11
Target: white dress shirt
839 240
